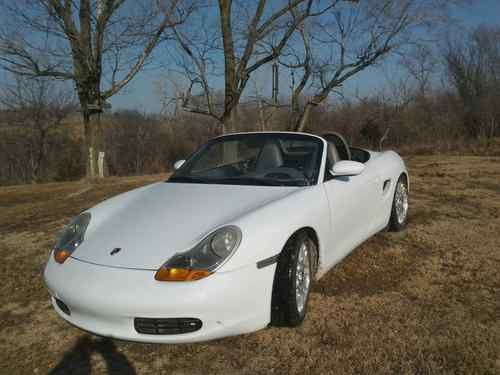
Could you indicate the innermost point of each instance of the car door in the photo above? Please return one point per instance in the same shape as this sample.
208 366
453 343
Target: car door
353 204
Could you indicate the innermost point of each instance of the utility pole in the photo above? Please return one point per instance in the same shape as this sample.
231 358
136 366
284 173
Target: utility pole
293 103
275 83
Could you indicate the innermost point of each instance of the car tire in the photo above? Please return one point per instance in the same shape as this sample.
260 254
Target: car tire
399 211
293 280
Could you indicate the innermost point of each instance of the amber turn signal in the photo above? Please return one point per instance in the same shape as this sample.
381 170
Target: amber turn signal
61 255
180 274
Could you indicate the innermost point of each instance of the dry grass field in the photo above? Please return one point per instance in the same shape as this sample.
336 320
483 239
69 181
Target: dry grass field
423 301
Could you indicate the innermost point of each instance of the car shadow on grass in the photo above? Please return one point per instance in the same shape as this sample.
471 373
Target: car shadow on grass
78 359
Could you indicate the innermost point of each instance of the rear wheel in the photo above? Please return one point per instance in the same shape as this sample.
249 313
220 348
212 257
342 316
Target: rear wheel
399 212
292 281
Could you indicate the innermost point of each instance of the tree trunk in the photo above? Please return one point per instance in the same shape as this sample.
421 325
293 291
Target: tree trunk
93 143
262 118
304 118
228 122
87 144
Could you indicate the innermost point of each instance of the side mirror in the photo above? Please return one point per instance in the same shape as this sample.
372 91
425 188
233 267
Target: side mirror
347 168
178 164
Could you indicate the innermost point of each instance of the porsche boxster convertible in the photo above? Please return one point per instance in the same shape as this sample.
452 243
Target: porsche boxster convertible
230 243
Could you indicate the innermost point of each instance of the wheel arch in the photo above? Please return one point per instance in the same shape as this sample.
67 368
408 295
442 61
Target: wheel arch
407 179
311 232
281 304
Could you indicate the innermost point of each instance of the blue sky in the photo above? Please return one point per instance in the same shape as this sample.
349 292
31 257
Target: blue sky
141 93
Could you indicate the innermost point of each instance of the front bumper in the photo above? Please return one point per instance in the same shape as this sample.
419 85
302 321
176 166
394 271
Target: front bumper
106 300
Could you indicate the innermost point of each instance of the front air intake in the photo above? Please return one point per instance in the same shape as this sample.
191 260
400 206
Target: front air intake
166 326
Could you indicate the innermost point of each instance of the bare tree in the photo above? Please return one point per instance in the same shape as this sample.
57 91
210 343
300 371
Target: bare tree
398 90
421 63
246 36
37 107
473 65
351 37
100 45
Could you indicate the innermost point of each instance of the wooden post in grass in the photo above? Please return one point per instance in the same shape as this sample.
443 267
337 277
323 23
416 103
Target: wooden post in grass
100 164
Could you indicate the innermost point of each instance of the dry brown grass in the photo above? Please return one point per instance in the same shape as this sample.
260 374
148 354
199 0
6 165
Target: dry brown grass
423 301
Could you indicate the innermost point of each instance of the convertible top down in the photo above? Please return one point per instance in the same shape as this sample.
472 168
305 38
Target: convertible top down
230 243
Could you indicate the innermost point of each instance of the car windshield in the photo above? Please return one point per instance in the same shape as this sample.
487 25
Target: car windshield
271 159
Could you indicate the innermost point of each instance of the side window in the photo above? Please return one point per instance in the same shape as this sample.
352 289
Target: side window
360 155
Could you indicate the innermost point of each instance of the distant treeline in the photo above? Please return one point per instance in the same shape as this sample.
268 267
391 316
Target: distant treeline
41 133
146 144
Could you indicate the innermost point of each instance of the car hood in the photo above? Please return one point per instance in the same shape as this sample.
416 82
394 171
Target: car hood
152 223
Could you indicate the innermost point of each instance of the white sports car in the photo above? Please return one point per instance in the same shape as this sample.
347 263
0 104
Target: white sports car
230 243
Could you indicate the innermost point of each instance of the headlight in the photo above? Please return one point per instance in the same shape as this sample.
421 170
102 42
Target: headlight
203 259
71 237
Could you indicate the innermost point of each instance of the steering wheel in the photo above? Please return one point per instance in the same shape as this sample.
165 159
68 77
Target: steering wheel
247 165
285 173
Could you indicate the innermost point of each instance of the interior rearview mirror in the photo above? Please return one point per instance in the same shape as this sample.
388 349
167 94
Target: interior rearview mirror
347 168
179 163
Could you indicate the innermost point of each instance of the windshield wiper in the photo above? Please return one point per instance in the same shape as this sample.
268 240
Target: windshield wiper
190 179
260 181
249 181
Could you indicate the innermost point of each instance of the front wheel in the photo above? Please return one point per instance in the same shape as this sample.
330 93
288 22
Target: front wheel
292 281
399 212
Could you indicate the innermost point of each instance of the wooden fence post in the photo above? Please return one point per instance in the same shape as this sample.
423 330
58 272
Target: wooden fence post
100 164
